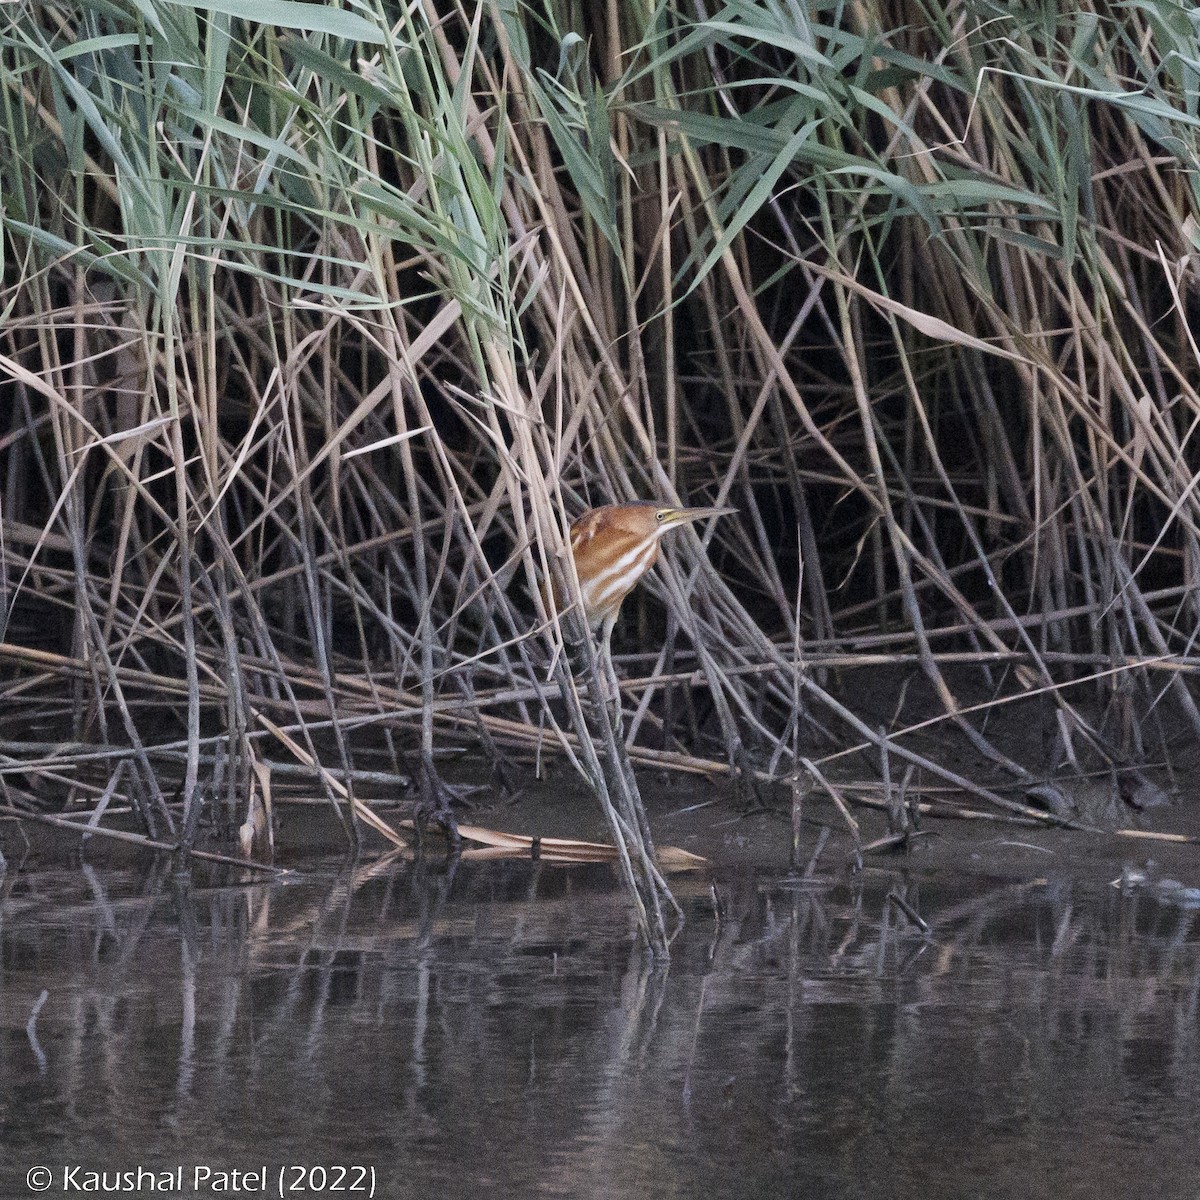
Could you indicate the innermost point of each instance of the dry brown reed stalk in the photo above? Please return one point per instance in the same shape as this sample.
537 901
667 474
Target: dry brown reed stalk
316 337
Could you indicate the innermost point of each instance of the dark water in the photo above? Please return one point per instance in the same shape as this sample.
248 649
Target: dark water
499 1034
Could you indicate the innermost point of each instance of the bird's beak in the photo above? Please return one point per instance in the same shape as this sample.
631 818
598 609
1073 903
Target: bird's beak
681 516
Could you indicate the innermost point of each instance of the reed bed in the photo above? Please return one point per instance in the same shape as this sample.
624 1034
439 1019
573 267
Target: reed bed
318 334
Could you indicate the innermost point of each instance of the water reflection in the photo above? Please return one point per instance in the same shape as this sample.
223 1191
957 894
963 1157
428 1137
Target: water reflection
498 1028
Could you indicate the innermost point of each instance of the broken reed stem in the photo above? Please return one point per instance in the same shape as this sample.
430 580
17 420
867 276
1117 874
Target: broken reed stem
811 869
800 787
136 839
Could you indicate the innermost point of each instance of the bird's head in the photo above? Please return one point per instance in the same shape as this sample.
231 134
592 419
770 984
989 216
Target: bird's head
665 518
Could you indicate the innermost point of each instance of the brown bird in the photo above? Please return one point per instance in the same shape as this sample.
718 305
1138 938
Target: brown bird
615 545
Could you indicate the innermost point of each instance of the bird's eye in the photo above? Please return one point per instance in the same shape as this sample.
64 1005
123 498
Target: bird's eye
660 515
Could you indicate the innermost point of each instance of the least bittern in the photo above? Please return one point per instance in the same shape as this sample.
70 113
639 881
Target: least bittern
614 546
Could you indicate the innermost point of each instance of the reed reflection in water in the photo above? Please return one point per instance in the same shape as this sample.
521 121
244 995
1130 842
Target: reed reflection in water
498 1028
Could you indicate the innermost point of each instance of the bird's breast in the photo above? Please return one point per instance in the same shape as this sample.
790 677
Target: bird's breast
608 568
